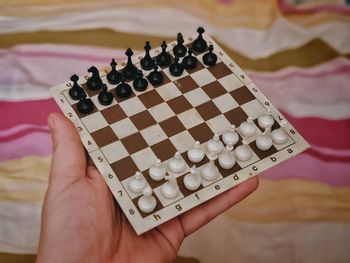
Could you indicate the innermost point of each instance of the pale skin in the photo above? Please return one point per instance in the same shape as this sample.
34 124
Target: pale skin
81 223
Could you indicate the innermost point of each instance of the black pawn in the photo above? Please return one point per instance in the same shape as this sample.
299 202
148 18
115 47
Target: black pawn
114 76
85 105
129 71
210 58
140 83
155 77
189 62
199 45
180 49
123 90
147 62
75 92
164 59
94 82
105 97
176 69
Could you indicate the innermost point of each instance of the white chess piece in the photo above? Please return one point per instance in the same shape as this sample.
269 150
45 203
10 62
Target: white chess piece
266 120
243 152
230 137
227 159
264 142
170 189
177 164
147 202
279 136
215 145
248 128
210 171
193 180
157 171
196 154
137 183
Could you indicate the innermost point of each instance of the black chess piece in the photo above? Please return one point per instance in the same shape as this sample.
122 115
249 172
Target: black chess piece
210 58
147 62
94 82
164 59
114 76
129 71
199 45
180 49
85 105
176 69
155 77
123 90
105 97
140 83
75 92
189 62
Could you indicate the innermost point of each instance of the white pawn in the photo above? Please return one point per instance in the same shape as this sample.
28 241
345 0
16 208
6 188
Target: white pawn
177 164
243 152
230 137
137 183
215 145
266 120
248 128
157 171
279 136
170 189
210 171
196 154
264 142
227 159
193 180
147 202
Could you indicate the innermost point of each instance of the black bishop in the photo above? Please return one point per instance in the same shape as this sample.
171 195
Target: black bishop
164 59
199 45
147 62
114 76
180 49
129 71
75 92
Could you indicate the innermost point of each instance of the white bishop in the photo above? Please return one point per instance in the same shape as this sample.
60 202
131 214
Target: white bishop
227 159
157 171
137 183
210 171
264 142
215 145
193 180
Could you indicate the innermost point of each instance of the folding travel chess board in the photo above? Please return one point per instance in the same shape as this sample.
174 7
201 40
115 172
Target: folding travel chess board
130 134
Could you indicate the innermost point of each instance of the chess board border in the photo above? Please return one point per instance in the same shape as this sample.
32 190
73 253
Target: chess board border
143 224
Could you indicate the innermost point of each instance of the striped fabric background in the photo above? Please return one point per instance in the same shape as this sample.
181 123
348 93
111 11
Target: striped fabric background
299 56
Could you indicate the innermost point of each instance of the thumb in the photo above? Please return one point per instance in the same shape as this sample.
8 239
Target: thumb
68 157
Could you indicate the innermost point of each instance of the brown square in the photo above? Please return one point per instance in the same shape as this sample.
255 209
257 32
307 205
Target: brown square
172 126
236 116
220 70
201 133
214 89
119 99
90 92
81 115
158 206
164 150
186 84
208 110
113 114
227 172
262 154
151 98
142 120
134 143
124 168
179 104
242 95
198 67
104 136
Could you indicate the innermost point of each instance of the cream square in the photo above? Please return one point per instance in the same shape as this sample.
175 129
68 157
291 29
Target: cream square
161 112
114 151
168 91
132 106
190 118
230 82
153 134
144 159
94 122
197 97
182 141
253 108
123 128
225 103
219 124
203 77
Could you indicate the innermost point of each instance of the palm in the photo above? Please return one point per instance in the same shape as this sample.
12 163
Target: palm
82 224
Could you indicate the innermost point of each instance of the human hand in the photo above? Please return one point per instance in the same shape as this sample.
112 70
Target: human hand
80 222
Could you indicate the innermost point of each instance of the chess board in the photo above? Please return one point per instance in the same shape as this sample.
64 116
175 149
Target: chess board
130 134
